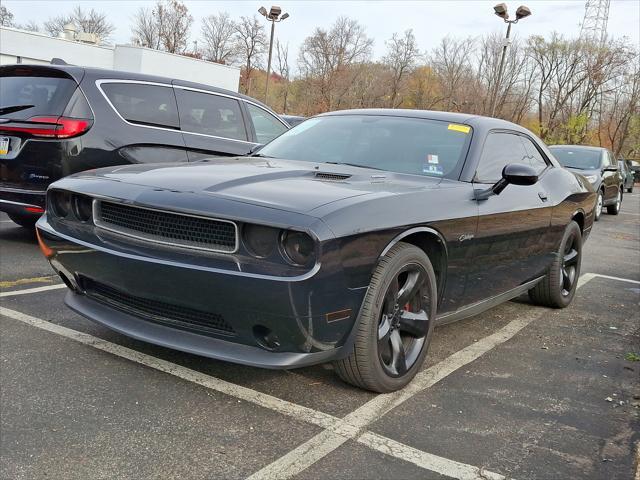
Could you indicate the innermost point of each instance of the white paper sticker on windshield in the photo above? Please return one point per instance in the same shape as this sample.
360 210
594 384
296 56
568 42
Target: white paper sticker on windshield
432 159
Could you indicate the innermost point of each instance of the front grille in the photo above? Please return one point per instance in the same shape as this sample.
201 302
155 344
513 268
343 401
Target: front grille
168 228
335 177
156 311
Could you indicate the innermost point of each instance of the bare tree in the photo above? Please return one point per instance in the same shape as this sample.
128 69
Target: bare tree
84 21
145 29
282 67
451 61
174 22
6 17
402 55
327 56
219 33
251 41
164 27
30 26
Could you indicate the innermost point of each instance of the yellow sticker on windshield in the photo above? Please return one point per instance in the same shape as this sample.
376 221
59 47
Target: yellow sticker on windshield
459 128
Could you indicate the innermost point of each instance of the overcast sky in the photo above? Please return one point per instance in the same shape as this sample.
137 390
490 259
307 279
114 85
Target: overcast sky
430 20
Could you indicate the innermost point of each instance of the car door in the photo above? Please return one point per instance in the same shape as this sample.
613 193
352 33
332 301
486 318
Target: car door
212 124
513 235
610 178
265 125
138 118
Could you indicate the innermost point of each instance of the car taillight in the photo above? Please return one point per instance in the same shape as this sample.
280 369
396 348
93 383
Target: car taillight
52 127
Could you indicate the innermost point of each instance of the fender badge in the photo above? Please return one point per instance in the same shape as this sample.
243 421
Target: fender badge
465 236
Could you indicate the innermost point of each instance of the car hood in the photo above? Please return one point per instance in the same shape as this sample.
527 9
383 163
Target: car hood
584 172
298 186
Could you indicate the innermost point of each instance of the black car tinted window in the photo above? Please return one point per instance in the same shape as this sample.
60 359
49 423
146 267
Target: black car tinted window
23 97
500 149
580 158
397 144
145 104
534 157
210 114
267 127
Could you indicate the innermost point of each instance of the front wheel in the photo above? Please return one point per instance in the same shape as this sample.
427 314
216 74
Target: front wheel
615 208
630 189
395 324
558 287
598 209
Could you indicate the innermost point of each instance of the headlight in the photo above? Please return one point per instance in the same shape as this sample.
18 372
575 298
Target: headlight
261 241
591 178
298 247
60 202
82 207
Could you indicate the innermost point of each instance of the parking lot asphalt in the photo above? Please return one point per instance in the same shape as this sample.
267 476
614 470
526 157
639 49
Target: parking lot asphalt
517 392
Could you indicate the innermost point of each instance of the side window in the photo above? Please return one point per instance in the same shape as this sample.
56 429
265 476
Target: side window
210 114
266 125
500 149
535 158
144 104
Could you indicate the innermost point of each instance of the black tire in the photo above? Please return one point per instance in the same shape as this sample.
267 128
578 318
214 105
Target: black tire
24 220
615 208
373 363
630 189
558 287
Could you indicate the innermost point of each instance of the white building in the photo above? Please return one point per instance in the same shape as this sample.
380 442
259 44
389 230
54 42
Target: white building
20 46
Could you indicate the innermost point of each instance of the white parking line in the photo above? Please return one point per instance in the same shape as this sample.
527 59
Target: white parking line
620 279
428 461
27 291
337 431
324 443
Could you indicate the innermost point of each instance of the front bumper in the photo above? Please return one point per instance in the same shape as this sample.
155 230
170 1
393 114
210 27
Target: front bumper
299 313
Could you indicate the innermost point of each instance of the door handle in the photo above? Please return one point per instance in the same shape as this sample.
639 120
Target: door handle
543 196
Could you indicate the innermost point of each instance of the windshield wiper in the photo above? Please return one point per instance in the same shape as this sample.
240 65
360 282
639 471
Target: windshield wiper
261 155
575 166
14 108
353 165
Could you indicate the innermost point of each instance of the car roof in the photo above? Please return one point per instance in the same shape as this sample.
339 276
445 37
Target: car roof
77 73
466 118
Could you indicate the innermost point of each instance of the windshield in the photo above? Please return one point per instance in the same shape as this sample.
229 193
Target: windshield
397 144
583 159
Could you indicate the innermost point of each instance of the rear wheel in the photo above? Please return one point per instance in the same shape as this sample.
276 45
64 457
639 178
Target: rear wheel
26 221
395 323
559 286
630 189
615 208
598 209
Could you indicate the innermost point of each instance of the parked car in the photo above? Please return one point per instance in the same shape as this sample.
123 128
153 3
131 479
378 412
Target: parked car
345 239
627 174
599 167
293 120
57 120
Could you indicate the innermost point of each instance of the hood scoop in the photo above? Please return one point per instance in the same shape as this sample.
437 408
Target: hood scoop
331 177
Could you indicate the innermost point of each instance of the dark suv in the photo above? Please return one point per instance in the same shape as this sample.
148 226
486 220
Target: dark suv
600 168
58 120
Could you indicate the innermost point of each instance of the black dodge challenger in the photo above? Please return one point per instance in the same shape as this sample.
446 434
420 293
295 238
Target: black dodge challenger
346 239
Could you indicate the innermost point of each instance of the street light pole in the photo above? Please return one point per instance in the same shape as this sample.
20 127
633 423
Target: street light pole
273 16
266 87
501 11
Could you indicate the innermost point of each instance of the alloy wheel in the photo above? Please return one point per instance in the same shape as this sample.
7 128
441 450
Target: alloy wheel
599 205
404 321
569 268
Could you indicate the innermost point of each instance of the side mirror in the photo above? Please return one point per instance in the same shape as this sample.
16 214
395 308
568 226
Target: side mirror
513 173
